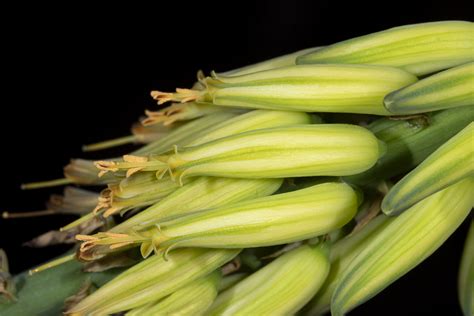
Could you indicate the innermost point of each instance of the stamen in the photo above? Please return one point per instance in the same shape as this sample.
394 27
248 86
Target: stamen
113 241
86 237
132 164
166 116
181 95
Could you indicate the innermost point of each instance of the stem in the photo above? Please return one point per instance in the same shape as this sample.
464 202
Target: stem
46 184
109 143
51 264
8 215
78 222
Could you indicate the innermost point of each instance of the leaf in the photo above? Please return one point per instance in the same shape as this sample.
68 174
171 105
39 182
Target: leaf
44 293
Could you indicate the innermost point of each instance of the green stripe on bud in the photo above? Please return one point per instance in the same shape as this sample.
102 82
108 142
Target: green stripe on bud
418 48
450 163
280 288
405 242
450 88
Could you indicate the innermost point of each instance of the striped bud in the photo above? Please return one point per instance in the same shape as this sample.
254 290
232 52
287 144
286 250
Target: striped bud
201 193
290 151
152 279
418 48
405 242
266 221
308 88
450 88
450 163
280 288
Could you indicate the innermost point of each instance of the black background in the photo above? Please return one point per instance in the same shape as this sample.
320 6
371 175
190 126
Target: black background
75 75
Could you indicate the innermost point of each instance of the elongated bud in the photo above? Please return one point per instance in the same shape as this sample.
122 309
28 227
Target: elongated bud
405 242
466 274
192 299
280 288
241 123
308 88
201 193
450 163
152 279
290 151
207 128
266 221
409 142
418 48
447 89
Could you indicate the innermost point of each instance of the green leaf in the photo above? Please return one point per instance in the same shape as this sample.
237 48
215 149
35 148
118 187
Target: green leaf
44 293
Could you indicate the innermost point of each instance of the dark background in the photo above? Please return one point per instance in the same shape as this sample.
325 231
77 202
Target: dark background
78 75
